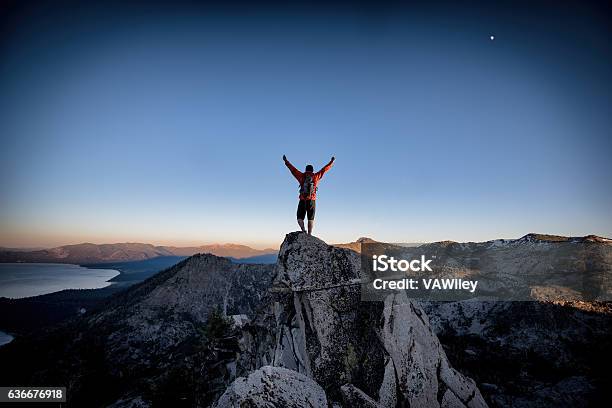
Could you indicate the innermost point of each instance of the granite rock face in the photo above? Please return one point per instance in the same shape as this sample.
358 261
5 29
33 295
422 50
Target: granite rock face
537 354
354 397
273 387
385 352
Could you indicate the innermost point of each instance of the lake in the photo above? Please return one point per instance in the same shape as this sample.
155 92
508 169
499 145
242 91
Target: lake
19 280
5 338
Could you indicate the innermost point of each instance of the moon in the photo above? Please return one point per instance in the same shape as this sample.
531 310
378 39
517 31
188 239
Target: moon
492 37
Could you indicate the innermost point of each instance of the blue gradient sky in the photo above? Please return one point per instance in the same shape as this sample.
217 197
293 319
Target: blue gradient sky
167 124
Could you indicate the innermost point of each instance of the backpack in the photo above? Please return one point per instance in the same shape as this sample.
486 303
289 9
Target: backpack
308 188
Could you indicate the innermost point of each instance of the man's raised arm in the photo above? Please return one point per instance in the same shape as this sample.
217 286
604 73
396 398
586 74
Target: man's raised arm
296 173
325 168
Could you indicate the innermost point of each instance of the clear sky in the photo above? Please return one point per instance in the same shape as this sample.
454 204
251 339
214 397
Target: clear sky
167 124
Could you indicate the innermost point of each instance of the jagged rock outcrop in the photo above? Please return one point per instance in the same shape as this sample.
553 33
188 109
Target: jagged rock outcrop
537 354
552 350
354 397
387 351
273 387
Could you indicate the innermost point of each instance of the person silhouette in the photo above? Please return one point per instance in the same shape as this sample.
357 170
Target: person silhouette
309 181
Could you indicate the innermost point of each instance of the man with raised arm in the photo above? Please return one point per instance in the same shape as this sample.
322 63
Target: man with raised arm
308 191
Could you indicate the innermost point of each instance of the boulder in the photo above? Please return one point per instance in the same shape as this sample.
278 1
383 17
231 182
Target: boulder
273 387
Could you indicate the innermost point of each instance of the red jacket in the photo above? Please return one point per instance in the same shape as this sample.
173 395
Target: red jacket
316 177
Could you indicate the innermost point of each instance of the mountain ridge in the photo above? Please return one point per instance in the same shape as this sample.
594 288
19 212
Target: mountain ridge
530 237
87 252
126 251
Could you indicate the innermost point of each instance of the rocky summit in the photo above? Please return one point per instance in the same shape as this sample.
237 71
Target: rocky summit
382 352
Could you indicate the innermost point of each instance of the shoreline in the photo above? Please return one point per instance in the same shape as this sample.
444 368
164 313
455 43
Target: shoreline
57 281
6 337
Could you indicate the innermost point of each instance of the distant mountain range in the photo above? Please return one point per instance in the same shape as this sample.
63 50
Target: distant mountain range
531 237
128 251
5 249
356 245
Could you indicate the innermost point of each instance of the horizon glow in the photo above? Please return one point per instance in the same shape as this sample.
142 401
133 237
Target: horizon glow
169 127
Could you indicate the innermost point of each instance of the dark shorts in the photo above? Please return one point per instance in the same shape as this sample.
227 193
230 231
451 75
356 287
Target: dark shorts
306 207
